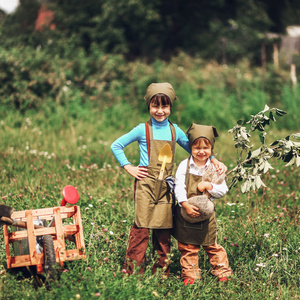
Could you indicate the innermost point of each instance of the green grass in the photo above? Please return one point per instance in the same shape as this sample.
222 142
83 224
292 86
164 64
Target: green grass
260 231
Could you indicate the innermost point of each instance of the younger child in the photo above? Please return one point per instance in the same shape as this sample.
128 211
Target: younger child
188 184
153 200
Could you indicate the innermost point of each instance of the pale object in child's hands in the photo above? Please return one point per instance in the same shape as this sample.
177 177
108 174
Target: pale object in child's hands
206 207
213 176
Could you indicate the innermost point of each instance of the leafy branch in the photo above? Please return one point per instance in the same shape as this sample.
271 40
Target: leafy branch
257 162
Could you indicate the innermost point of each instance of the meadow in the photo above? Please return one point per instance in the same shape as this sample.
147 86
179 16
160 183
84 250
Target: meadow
40 155
58 118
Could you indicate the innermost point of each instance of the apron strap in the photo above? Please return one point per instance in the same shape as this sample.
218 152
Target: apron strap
148 139
173 132
187 172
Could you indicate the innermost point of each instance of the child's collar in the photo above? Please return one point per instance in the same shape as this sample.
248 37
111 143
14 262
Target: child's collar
192 162
163 123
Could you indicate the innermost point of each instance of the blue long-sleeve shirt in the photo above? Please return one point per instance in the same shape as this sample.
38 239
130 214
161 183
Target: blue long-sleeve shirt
161 131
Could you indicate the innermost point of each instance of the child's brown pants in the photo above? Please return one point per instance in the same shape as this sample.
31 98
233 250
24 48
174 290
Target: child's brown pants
190 263
137 246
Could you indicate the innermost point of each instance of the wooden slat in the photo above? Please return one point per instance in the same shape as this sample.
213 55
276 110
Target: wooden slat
24 260
70 229
31 237
79 235
21 234
74 254
66 212
6 240
60 239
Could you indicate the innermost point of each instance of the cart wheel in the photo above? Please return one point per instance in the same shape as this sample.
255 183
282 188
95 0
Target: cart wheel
49 255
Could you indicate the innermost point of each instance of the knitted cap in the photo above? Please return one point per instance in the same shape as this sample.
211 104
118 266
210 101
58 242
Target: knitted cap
196 131
160 88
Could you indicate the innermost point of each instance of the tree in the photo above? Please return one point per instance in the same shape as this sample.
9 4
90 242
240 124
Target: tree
249 169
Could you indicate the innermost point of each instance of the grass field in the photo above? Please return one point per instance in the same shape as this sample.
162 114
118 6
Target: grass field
260 231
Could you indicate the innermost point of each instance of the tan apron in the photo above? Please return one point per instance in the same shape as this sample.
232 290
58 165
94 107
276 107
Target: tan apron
203 233
150 211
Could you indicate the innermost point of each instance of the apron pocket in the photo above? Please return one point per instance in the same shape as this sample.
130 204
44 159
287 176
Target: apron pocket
161 191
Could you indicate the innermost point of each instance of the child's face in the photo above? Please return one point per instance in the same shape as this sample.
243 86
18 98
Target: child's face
201 151
159 111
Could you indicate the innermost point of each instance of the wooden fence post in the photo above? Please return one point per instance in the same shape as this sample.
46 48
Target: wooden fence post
293 75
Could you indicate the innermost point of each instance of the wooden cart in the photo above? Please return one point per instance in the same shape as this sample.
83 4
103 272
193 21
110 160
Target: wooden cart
67 226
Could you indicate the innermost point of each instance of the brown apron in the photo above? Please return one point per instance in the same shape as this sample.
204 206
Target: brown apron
203 233
150 211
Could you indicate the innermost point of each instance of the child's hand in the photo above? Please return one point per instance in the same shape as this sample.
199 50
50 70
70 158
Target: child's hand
136 172
220 167
191 210
204 185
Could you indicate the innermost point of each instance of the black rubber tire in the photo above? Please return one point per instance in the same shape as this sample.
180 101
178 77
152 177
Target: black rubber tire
49 255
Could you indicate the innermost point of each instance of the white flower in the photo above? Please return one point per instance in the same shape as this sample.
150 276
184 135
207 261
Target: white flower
230 204
90 205
266 235
261 265
275 254
111 232
284 248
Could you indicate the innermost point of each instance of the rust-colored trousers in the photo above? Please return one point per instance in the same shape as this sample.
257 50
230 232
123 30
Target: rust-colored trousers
190 262
137 246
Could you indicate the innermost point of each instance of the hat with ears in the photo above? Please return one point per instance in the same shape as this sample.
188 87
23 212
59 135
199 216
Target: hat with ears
160 88
197 131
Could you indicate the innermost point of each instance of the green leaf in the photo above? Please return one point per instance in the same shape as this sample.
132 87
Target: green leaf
288 157
266 108
260 127
271 116
255 153
267 167
280 112
296 135
248 155
262 137
291 162
262 166
270 150
244 135
240 121
245 187
259 182
274 143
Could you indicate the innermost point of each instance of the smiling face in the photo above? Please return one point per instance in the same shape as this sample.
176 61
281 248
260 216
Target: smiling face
201 151
160 108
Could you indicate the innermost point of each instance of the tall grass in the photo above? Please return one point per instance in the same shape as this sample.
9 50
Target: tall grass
39 157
